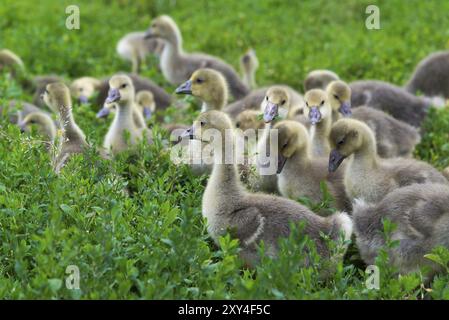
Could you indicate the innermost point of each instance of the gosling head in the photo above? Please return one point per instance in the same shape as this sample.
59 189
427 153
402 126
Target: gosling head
319 79
316 106
57 97
145 99
209 120
41 119
275 103
121 90
292 137
249 119
9 59
84 88
208 85
346 138
339 95
163 27
249 61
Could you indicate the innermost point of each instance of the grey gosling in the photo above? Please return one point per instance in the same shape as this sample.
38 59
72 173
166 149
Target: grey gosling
249 217
177 66
73 141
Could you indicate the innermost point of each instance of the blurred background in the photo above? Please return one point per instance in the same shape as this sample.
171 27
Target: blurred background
290 37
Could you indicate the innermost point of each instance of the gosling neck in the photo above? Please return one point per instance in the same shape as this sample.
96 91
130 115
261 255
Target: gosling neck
249 78
124 114
71 131
319 135
366 156
217 102
172 50
224 172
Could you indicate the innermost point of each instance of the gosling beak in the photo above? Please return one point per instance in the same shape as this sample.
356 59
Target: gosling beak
345 109
281 162
335 160
148 34
103 113
147 112
270 112
314 115
83 99
185 88
113 95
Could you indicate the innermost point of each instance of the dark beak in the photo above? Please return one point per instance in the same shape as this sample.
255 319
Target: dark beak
185 88
345 109
103 113
147 112
281 162
314 115
335 160
270 112
148 34
83 99
113 95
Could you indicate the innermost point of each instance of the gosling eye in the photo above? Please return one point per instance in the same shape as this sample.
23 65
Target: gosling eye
202 123
199 80
282 102
237 125
336 97
285 145
123 86
32 121
341 142
266 98
322 102
307 104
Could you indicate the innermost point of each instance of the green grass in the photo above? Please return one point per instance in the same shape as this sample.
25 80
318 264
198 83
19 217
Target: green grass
154 244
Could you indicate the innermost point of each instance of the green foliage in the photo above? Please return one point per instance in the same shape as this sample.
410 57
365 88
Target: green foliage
134 226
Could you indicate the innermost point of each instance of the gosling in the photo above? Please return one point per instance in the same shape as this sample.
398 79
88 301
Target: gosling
249 65
121 93
57 96
420 213
249 217
178 66
431 76
45 124
209 86
367 176
300 174
319 112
